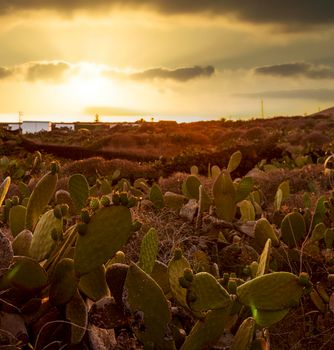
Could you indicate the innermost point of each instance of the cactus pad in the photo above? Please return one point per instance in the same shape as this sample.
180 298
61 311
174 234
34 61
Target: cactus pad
205 293
39 199
108 230
234 161
17 217
293 229
21 243
244 336
148 251
79 190
190 187
144 297
94 284
274 291
4 187
42 242
156 196
263 230
264 259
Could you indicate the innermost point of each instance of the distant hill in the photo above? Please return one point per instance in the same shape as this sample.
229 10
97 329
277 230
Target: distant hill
328 111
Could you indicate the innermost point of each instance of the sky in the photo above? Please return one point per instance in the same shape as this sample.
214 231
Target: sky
178 58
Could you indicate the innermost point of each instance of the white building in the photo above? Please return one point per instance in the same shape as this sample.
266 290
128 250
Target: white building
34 126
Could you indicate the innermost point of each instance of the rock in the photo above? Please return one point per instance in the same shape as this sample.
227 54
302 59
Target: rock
189 210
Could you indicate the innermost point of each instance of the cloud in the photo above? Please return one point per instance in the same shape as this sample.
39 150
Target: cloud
301 69
181 74
111 111
313 94
37 71
47 71
5 72
297 13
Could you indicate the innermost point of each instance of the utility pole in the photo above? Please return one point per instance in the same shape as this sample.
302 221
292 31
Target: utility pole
20 121
97 118
262 109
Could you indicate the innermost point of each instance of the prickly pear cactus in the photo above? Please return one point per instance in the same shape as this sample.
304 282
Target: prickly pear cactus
4 187
79 190
77 314
204 201
224 196
21 243
156 196
107 231
264 231
293 229
176 268
207 332
64 282
273 292
43 240
115 278
25 274
190 187
244 188
266 318
148 251
174 200
234 161
244 337
147 302
39 199
17 216
94 284
264 259
247 210
205 293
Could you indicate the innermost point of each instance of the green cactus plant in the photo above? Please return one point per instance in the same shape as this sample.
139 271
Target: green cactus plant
4 187
148 251
174 200
25 274
39 199
156 196
244 188
108 230
43 240
64 282
190 187
293 229
21 243
206 332
247 210
215 172
264 230
243 339
273 292
234 161
79 190
77 314
146 299
176 268
17 215
264 259
94 284
224 196
205 293
115 278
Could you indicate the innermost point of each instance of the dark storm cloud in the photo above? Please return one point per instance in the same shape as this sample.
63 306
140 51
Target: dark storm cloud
285 12
297 69
52 71
5 72
178 74
313 94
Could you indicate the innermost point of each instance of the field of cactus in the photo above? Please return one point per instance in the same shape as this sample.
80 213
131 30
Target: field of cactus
104 254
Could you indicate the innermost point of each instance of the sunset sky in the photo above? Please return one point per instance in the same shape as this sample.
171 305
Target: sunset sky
204 58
